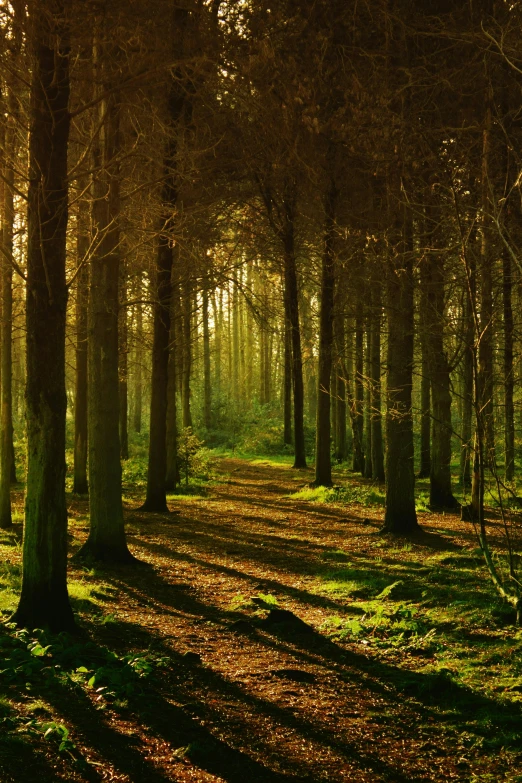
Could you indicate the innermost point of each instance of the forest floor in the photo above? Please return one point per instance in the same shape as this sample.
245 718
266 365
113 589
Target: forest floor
267 638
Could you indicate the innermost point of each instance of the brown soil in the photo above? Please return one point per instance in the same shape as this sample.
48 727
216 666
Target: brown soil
252 697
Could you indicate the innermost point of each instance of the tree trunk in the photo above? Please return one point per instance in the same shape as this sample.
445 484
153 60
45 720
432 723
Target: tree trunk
323 463
187 350
340 380
156 498
44 602
172 474
368 418
375 385
80 484
425 390
6 331
400 515
207 379
138 368
509 441
357 416
292 318
106 541
287 384
441 495
123 365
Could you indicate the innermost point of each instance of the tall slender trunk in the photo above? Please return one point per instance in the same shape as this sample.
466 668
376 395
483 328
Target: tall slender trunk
357 416
172 471
340 378
187 350
400 515
138 365
287 383
44 602
425 389
80 484
441 494
323 463
207 379
467 384
375 385
123 364
6 330
291 300
509 440
368 418
156 497
106 541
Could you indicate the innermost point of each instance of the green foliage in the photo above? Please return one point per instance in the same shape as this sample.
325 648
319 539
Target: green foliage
194 459
356 493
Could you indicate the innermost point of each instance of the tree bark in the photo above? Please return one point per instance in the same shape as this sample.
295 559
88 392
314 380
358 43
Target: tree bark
323 462
375 385
123 365
156 498
6 331
44 602
357 415
106 540
207 379
509 412
400 515
80 484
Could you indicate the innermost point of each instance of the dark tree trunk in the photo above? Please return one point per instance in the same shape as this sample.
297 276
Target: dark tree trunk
368 418
207 379
400 515
467 385
80 484
287 385
6 332
357 415
138 368
375 385
172 475
292 318
106 541
509 441
187 350
44 602
323 461
441 494
123 365
340 381
156 498
425 390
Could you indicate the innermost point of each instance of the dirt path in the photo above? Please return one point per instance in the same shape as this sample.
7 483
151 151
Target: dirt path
254 689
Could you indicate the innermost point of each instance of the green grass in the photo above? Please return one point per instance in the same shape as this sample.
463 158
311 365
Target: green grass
440 607
365 495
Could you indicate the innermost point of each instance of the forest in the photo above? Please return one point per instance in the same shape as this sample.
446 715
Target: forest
260 391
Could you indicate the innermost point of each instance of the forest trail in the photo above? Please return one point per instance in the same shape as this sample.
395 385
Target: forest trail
252 694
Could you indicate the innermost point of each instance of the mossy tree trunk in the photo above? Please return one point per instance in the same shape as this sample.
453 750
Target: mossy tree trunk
44 602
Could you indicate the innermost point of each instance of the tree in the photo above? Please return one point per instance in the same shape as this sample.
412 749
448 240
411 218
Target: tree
44 601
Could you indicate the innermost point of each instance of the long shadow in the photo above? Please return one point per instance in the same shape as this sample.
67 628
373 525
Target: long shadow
261 583
14 747
428 688
215 756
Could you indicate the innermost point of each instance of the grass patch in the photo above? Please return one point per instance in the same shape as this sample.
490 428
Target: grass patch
360 494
